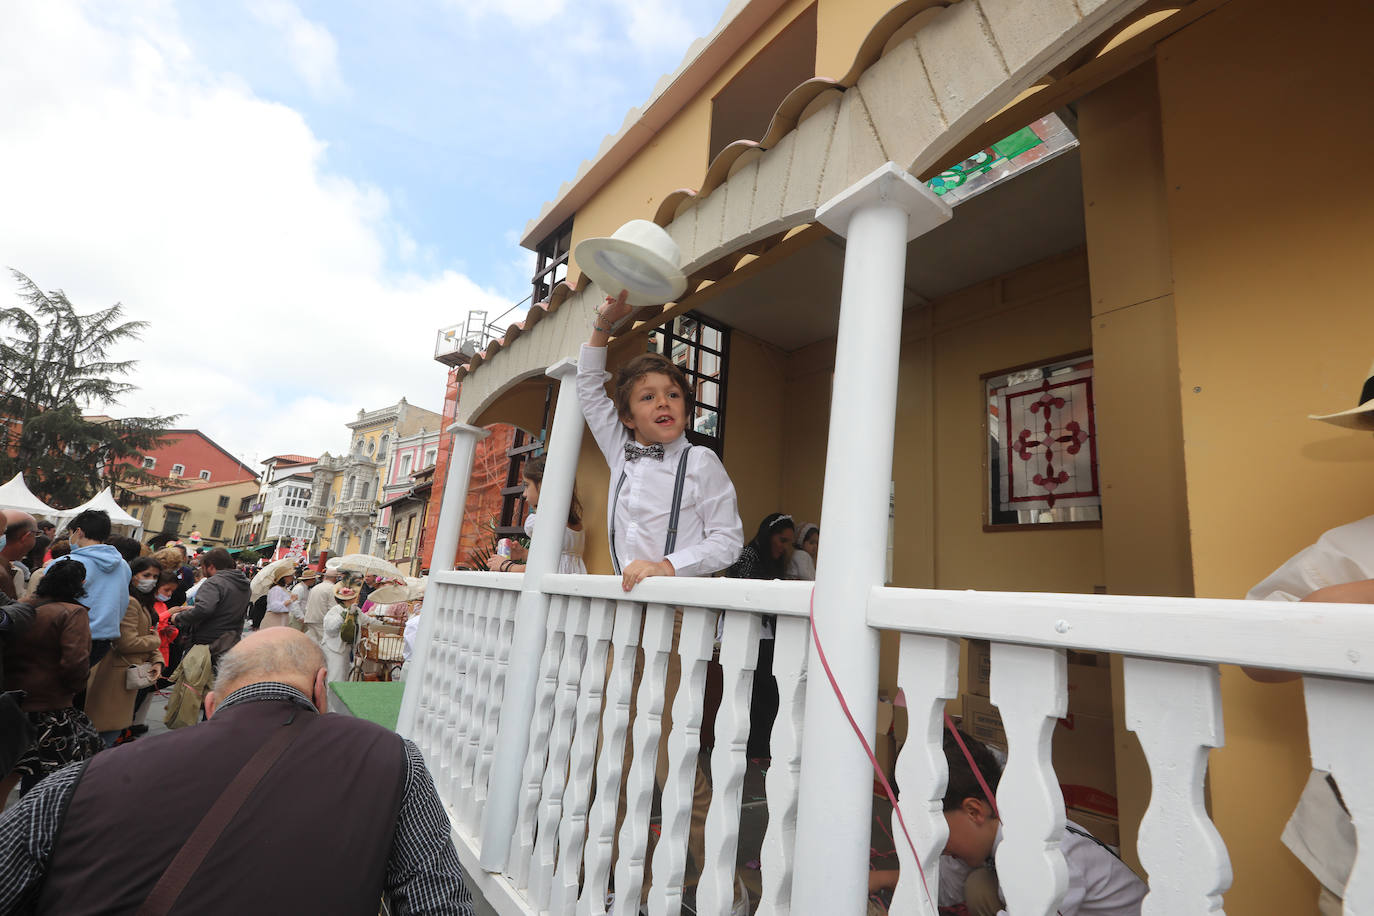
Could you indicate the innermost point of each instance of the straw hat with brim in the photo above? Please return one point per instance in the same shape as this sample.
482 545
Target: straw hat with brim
309 575
289 571
345 592
1361 417
640 258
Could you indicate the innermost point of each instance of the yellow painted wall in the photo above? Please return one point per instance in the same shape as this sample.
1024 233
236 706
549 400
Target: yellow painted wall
841 26
204 511
1145 539
939 475
1272 283
1036 314
677 156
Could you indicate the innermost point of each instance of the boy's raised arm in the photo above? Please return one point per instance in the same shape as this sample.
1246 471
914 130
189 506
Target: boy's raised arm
597 408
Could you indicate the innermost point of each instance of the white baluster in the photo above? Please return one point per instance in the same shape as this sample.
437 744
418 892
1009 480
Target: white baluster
560 744
639 790
532 775
450 681
1347 753
790 646
426 677
739 658
450 703
670 856
505 618
1030 688
615 723
478 725
928 674
470 714
572 831
1175 710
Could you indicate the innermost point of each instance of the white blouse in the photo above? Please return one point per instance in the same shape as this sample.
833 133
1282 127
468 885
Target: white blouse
574 543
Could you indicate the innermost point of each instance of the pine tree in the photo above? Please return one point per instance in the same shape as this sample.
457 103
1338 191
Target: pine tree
53 363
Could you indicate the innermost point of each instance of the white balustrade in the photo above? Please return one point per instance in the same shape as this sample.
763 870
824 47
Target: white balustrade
657 641
615 726
564 846
790 647
541 723
1030 687
739 656
928 673
572 832
1175 710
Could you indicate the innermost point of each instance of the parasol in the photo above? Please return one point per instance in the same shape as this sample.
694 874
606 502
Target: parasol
267 576
409 589
364 564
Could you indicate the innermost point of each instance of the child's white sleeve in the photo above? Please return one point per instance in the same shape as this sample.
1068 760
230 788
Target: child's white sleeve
597 408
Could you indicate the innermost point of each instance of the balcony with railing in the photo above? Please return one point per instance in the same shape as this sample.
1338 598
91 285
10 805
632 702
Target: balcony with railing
355 508
549 846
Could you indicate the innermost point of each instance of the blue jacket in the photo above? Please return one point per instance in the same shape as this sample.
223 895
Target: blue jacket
107 587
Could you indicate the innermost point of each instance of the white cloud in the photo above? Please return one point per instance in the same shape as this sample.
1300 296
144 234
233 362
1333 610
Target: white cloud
309 46
600 27
524 13
276 304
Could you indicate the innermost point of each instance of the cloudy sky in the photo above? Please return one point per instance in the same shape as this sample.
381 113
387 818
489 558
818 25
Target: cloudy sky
297 195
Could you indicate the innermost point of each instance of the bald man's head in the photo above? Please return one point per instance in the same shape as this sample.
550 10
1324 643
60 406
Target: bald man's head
278 654
20 529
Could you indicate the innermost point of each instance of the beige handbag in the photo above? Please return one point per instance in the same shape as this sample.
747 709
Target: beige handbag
136 677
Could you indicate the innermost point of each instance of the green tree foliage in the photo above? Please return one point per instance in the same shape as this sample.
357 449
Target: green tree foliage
55 362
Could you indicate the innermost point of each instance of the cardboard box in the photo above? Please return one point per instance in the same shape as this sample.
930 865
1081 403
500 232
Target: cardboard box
885 741
979 669
982 721
1090 690
1106 829
1084 759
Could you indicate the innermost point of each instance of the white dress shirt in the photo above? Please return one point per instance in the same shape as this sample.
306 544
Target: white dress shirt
1320 832
302 593
1344 554
1100 884
710 533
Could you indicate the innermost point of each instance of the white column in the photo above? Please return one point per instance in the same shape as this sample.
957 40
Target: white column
531 619
877 216
446 535
450 527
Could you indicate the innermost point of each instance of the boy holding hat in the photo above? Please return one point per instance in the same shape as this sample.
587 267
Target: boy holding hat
658 479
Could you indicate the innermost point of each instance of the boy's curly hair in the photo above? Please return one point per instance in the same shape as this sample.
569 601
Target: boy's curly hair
647 364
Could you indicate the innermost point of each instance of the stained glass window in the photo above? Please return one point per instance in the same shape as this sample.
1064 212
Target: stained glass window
1042 444
1037 142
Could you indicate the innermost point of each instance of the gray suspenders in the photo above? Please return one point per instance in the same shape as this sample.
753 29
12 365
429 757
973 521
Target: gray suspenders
670 544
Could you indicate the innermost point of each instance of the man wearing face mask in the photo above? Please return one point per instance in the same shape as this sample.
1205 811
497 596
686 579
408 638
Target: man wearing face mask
107 578
17 541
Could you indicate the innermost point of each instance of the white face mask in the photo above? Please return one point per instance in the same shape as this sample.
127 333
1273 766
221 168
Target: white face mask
145 585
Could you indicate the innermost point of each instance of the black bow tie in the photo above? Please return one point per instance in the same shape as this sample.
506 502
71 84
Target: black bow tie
635 452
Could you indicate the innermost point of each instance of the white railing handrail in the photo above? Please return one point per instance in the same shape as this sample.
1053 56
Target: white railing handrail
1313 638
511 582
758 596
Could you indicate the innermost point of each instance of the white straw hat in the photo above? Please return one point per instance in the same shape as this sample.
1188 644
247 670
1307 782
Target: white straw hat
1361 417
639 258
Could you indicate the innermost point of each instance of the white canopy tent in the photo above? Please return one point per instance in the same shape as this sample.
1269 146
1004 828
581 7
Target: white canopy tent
16 495
118 517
